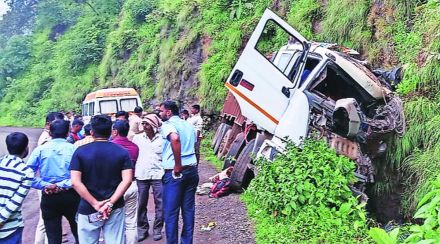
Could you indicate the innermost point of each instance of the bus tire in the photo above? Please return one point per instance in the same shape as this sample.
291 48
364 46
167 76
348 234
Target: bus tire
242 175
220 136
217 132
235 149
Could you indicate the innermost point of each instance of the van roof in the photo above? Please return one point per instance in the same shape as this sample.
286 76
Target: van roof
111 92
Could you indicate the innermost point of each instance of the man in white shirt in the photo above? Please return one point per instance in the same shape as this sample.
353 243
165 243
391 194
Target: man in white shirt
197 122
149 172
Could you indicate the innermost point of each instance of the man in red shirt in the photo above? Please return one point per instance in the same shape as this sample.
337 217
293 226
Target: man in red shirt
119 135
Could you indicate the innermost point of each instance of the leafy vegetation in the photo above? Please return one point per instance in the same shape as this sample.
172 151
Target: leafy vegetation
303 196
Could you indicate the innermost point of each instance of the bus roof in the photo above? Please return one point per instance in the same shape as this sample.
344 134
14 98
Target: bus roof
111 92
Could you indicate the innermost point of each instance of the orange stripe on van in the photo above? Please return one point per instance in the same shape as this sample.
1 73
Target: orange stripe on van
239 93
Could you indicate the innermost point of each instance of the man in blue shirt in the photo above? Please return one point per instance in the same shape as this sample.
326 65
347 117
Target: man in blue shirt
58 198
181 178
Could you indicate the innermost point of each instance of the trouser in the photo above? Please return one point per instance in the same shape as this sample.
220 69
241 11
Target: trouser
143 195
53 208
179 195
14 238
40 231
113 228
130 198
197 149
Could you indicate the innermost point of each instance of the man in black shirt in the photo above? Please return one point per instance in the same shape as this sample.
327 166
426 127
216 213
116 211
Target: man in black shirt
101 172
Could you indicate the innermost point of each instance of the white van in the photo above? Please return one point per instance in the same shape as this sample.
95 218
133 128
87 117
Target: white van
109 101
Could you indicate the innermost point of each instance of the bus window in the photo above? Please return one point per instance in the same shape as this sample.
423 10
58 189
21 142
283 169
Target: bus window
91 108
85 109
128 104
108 106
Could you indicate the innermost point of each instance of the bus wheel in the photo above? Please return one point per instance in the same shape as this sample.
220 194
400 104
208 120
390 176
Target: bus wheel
242 175
233 152
221 134
219 128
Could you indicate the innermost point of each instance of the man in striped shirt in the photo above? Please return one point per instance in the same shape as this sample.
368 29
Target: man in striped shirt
15 181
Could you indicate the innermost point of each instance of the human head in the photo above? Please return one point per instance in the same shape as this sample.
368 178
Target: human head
101 126
51 116
87 129
138 110
151 123
77 125
59 128
121 115
120 128
17 144
184 114
168 109
195 109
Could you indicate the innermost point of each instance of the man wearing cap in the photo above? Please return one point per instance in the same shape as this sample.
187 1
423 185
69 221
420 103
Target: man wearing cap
181 177
135 123
149 172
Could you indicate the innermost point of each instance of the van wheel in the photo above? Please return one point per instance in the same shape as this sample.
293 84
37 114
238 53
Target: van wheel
220 136
242 175
235 149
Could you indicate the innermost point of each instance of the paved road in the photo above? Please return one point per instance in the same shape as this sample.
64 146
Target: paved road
31 204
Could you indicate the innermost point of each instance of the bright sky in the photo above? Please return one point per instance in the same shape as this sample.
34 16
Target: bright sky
3 7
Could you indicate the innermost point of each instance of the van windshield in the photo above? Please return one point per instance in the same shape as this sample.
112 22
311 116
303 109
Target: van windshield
108 106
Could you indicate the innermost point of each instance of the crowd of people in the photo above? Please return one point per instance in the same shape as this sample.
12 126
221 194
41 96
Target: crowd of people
98 176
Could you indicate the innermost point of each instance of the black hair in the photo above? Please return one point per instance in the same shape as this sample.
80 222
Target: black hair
87 129
59 128
16 143
171 105
51 116
138 109
122 113
122 126
185 112
196 106
77 122
101 126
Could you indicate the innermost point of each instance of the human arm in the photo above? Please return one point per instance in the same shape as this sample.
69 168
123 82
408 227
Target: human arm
176 148
127 179
34 163
12 204
81 189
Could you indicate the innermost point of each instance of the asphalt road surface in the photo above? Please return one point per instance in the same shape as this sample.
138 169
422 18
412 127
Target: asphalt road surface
31 204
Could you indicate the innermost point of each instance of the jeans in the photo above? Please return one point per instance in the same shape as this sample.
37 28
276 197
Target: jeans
130 198
143 193
179 194
53 208
113 228
14 238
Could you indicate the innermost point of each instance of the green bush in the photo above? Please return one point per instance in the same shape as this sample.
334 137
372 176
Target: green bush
304 196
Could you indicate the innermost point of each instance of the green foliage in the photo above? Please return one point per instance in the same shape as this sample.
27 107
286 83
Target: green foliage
208 153
303 195
380 236
347 28
429 211
139 9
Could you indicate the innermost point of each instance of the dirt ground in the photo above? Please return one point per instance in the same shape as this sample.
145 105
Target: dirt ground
229 213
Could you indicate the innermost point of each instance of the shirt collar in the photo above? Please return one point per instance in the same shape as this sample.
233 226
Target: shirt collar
174 117
157 135
120 138
58 139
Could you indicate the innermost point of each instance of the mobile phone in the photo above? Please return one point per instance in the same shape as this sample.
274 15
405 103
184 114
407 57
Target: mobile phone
95 217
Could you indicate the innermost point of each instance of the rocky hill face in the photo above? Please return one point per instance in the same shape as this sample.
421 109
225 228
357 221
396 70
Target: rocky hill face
53 52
